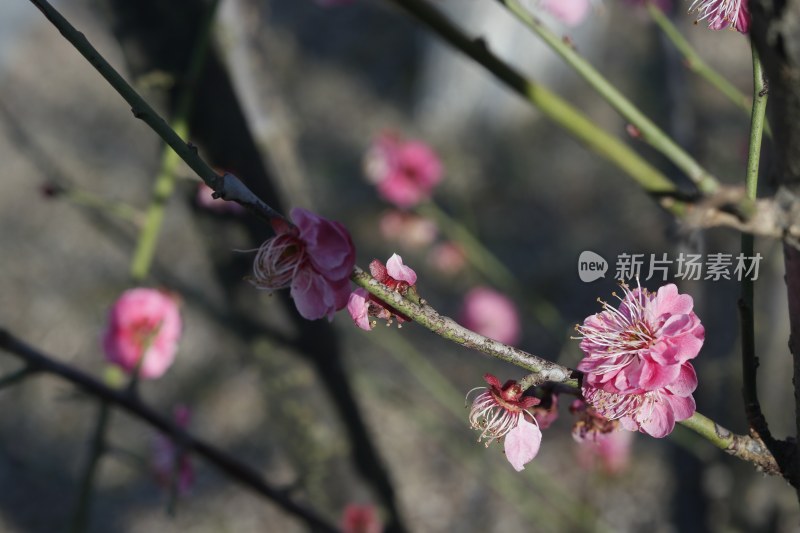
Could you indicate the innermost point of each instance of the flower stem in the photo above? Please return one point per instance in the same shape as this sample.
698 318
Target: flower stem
746 303
696 64
165 181
551 105
88 199
80 520
650 132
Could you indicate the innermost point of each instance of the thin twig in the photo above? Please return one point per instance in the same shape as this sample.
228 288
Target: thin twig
755 416
231 466
650 132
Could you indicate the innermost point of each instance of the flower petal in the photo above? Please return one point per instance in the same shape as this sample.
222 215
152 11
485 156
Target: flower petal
399 271
358 307
522 443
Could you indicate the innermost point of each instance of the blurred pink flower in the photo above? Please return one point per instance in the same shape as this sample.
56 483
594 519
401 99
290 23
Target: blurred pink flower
409 229
722 14
491 314
315 258
205 199
447 257
499 412
395 275
570 12
546 412
361 519
165 454
405 172
143 324
636 360
609 452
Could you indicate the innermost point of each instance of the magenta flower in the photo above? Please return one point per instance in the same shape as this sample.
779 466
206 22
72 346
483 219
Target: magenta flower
501 413
167 461
722 14
570 12
143 330
405 172
315 258
360 519
637 356
547 411
492 314
362 305
205 199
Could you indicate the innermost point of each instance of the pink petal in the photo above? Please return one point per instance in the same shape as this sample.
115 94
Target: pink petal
659 421
316 297
492 314
655 376
357 306
328 244
522 443
685 383
683 407
399 271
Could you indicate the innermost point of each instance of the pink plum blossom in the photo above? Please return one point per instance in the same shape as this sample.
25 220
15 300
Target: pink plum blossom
409 229
143 330
360 519
315 258
501 412
722 14
165 454
491 314
396 276
602 443
570 12
637 357
205 199
405 172
448 258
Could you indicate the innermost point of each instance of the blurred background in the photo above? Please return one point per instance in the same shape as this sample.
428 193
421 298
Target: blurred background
292 96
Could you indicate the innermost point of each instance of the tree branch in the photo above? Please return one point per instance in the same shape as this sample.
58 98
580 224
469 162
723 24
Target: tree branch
231 466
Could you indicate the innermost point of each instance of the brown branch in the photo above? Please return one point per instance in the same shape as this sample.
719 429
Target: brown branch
232 467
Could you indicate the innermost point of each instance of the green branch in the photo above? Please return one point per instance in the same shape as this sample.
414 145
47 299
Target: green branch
551 105
650 132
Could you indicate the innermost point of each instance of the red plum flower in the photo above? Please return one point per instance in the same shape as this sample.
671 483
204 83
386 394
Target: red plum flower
637 357
362 305
491 314
143 330
722 14
167 461
405 172
500 412
360 519
315 258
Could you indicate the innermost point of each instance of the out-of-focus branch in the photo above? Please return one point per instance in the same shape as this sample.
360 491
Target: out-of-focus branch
551 105
650 132
231 466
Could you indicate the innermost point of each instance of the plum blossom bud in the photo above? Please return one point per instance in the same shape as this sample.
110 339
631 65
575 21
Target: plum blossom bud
448 258
168 464
362 305
720 14
314 258
143 330
492 314
501 413
405 172
361 519
637 357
